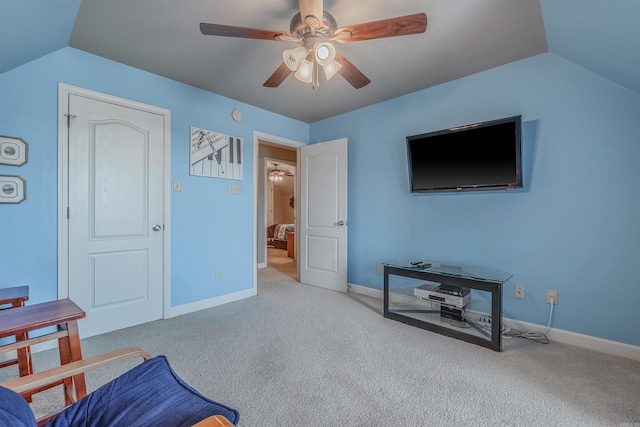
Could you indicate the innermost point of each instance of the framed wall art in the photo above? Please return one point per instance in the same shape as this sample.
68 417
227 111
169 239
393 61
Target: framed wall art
216 155
13 189
13 151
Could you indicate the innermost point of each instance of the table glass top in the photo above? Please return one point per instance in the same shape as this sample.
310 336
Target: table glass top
467 272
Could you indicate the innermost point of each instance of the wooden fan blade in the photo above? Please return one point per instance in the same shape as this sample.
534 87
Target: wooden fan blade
311 8
242 32
278 76
351 73
392 27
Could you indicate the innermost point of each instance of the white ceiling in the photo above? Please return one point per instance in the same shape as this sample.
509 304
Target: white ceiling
462 37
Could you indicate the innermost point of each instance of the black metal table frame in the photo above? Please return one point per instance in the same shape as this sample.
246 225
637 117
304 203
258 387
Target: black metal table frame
495 288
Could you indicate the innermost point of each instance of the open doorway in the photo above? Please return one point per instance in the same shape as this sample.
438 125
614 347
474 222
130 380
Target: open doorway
321 188
281 218
276 206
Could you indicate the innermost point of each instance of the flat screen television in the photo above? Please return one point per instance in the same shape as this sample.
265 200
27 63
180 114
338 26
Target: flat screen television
477 157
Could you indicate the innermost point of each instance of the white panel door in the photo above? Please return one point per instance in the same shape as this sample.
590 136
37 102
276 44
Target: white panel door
115 214
323 212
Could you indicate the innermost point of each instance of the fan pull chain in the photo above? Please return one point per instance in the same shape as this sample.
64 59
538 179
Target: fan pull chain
315 84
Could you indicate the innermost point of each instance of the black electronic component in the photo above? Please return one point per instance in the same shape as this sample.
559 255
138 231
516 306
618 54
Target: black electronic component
458 291
451 313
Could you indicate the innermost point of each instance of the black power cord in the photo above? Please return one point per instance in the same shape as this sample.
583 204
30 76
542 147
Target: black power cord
540 337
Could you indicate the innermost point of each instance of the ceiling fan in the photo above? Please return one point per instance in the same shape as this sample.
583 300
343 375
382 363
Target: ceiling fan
276 175
313 29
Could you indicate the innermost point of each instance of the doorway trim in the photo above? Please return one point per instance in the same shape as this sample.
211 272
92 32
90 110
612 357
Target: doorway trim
278 141
64 90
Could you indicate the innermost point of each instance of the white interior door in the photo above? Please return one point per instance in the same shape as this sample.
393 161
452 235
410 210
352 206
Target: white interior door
115 222
323 215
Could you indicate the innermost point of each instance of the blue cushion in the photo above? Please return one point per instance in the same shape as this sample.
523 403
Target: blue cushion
150 394
14 410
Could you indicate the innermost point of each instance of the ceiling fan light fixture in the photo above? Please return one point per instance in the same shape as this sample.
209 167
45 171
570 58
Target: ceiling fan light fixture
305 72
276 174
315 29
324 53
293 57
331 69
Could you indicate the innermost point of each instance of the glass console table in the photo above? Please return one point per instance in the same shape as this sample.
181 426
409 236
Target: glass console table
419 293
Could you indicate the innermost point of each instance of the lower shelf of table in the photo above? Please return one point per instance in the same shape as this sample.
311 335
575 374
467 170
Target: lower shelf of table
406 308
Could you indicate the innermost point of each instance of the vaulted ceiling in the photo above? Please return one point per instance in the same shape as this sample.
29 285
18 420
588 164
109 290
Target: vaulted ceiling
463 37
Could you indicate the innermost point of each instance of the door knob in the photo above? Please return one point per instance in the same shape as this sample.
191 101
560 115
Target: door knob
157 227
341 223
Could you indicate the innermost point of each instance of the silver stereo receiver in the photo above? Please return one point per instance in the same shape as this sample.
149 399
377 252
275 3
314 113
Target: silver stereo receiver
430 292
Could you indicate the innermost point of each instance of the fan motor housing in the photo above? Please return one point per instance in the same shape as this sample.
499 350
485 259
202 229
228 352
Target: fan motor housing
326 28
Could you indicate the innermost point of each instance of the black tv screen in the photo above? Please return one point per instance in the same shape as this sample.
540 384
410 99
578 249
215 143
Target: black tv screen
481 156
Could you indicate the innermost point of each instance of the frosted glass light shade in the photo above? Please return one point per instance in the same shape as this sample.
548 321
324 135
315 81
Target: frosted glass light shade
305 72
324 53
294 57
331 69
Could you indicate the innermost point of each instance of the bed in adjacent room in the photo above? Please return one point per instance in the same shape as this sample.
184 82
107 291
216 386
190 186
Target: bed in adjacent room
278 235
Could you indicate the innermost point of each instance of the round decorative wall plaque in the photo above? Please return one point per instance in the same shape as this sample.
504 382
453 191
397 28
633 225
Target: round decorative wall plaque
13 189
13 151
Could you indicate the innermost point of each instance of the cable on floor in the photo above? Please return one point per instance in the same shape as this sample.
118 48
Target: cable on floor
540 337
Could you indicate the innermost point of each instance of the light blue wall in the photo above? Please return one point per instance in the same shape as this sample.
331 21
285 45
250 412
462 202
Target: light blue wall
600 35
574 227
210 228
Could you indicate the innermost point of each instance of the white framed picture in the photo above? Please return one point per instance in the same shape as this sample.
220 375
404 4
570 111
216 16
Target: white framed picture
13 151
13 189
216 155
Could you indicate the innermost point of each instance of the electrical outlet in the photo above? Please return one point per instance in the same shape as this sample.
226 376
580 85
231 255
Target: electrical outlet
552 294
218 274
379 269
519 292
233 188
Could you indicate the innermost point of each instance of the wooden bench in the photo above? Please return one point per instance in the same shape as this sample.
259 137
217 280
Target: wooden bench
62 314
16 297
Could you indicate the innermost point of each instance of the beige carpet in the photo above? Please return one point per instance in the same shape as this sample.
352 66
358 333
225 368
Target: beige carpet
277 259
296 355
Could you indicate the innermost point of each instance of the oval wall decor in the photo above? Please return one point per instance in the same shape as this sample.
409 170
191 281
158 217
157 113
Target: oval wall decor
13 189
13 151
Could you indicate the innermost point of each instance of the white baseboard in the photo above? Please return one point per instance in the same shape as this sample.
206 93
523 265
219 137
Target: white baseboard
586 341
364 290
211 302
567 337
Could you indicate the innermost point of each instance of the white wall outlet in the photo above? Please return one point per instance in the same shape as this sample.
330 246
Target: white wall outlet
177 185
519 292
552 294
218 273
233 188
